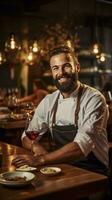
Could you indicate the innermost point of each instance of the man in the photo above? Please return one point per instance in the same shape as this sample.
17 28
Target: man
76 116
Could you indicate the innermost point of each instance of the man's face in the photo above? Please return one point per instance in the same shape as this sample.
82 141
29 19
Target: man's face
64 71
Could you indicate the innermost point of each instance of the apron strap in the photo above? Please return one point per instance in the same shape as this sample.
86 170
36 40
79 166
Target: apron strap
78 104
55 109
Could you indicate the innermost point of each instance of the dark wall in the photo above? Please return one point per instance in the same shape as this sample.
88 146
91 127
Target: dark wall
27 24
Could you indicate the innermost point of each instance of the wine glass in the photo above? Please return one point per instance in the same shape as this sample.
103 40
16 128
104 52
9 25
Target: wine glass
32 135
32 132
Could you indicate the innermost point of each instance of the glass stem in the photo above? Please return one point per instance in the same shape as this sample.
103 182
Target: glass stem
32 146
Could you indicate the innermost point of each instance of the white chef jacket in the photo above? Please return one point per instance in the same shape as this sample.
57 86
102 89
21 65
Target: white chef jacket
92 119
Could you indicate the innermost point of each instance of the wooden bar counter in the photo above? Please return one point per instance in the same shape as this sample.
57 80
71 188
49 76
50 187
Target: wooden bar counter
72 183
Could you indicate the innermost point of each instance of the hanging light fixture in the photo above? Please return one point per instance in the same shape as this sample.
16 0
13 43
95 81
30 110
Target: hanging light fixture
68 38
30 57
2 58
35 47
72 39
12 44
96 48
102 57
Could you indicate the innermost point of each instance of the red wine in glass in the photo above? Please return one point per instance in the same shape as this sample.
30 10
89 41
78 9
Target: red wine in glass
32 135
12 107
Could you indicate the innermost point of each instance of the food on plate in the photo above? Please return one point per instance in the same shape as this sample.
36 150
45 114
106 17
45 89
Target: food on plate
26 168
23 167
50 170
16 178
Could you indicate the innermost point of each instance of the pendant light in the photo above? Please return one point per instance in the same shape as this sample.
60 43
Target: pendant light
12 44
2 58
96 47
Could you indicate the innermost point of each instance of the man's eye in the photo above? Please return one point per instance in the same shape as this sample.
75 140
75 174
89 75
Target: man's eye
55 68
67 65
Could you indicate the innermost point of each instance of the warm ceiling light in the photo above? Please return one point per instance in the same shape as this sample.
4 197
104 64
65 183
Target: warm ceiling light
102 57
35 47
12 44
30 56
2 58
96 49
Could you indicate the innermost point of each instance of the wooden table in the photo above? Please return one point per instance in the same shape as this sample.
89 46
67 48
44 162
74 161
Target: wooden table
72 183
12 131
12 124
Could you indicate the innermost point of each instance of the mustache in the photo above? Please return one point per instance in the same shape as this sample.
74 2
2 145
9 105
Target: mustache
64 76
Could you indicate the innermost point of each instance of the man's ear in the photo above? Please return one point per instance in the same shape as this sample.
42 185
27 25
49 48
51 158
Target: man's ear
78 67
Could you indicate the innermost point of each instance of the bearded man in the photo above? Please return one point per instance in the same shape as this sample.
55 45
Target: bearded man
76 116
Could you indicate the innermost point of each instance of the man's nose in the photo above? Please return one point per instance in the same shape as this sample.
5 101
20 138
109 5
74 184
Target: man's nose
60 71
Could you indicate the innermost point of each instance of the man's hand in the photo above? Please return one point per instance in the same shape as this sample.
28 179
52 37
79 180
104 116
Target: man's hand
27 160
67 153
38 149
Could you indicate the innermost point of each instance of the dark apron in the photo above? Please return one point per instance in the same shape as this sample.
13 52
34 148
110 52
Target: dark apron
61 135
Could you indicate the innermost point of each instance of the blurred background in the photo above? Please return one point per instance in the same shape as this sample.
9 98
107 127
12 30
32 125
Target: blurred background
29 28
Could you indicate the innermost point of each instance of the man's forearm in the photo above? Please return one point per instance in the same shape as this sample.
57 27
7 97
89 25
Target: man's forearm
67 153
26 143
35 147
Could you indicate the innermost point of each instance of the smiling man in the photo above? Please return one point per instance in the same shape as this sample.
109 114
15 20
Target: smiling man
64 70
76 116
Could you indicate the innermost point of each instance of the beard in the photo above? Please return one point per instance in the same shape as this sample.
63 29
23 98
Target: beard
69 86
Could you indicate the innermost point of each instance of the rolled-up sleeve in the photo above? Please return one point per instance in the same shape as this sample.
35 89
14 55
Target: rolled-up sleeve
93 125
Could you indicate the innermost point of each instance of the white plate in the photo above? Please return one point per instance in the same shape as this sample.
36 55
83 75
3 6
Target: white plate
50 170
26 168
12 175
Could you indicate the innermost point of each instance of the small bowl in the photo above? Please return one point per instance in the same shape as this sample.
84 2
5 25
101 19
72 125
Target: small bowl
50 171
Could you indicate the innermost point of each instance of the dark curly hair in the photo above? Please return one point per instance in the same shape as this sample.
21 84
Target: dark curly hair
63 49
